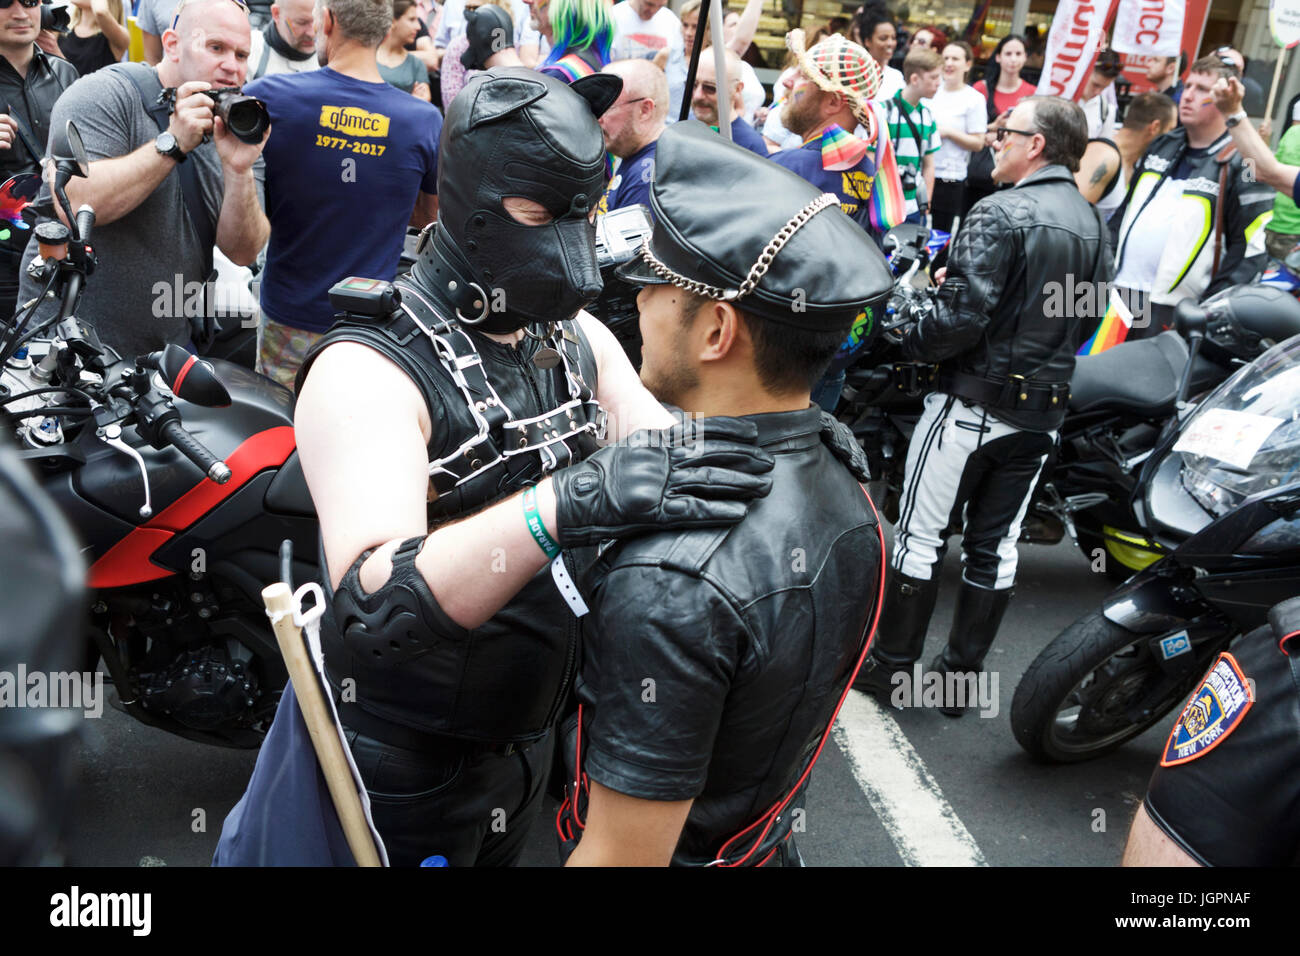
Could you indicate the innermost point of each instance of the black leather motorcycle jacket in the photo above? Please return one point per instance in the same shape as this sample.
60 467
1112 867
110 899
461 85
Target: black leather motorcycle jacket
505 681
713 659
1009 304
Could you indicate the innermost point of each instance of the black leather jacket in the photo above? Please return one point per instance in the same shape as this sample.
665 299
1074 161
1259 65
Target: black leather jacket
712 659
1008 305
31 100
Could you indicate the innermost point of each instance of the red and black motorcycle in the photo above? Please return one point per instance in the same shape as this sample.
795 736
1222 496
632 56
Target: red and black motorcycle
180 475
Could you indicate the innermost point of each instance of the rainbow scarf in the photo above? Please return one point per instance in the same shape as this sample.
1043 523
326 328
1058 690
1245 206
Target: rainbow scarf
840 148
1113 328
888 208
569 68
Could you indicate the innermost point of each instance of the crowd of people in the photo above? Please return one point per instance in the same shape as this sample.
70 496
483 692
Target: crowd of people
557 110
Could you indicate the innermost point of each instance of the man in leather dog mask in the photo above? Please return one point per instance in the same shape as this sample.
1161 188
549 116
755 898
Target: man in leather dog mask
486 382
714 659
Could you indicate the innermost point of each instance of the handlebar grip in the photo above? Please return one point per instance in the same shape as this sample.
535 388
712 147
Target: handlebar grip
85 222
193 449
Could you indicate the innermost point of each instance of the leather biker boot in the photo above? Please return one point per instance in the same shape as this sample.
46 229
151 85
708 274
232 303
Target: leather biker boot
975 623
900 637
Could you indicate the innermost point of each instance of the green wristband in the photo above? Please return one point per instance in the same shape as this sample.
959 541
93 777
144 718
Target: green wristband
534 519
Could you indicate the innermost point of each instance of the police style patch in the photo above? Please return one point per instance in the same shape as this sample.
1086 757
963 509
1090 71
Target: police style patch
1215 710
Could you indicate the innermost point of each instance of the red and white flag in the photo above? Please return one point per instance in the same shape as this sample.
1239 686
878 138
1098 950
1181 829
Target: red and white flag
1149 27
1077 31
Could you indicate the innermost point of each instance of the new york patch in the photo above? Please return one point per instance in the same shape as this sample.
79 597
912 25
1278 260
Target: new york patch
1216 710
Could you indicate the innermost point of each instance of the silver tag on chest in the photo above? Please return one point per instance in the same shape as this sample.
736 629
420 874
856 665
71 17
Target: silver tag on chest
546 358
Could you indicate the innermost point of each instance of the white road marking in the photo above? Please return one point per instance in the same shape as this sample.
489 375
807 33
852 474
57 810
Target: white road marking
910 805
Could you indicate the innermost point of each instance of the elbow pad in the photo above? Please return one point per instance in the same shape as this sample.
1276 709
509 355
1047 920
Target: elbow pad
411 664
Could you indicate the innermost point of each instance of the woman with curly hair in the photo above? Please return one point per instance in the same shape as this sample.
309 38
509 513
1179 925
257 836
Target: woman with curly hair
874 29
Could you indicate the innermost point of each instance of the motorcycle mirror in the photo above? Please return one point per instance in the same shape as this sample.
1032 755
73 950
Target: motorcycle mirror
1190 319
189 377
73 162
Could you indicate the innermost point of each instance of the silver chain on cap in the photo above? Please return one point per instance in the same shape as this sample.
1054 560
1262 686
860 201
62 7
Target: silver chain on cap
760 266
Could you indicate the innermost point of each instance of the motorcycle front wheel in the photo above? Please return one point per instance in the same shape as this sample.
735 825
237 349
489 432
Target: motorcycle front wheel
1075 701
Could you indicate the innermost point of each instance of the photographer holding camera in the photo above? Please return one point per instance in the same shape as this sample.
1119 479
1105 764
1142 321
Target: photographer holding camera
163 194
30 82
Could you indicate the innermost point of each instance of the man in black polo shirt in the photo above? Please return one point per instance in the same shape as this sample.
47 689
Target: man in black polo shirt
30 82
713 662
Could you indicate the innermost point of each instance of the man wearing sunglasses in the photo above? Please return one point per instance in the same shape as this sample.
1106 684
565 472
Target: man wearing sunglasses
30 82
1005 356
167 183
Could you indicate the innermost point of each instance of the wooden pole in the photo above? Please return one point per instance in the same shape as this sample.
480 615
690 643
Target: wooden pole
1272 93
329 750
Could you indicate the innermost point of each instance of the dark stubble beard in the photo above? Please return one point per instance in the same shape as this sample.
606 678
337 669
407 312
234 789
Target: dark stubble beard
673 379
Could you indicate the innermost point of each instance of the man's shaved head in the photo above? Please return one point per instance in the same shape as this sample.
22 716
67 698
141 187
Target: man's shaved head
643 78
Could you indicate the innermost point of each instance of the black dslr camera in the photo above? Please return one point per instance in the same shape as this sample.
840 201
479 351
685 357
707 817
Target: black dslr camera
56 18
245 116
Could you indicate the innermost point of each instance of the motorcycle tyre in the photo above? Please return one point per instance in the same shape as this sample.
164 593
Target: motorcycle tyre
1078 651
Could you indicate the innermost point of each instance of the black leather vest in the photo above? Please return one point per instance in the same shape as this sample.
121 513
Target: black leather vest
506 680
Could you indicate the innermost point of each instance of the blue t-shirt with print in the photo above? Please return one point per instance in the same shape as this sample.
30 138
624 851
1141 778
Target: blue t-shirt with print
345 162
742 134
852 186
631 184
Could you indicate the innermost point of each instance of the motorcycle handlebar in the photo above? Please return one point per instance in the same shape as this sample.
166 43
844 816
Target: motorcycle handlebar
85 222
193 449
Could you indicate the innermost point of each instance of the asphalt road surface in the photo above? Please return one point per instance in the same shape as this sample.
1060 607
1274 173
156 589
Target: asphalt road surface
896 788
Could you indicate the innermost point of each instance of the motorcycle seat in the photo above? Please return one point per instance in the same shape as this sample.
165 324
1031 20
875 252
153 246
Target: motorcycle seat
1140 376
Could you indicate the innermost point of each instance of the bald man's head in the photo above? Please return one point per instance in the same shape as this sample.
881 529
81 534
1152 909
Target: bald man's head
209 41
637 117
704 98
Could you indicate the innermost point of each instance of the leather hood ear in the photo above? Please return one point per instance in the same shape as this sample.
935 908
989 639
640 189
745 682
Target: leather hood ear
600 90
498 96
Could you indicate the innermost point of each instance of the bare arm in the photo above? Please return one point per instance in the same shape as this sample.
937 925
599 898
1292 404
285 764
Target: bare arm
1095 170
1148 845
116 186
427 54
746 27
152 49
116 34
967 141
1228 93
530 54
242 229
927 173
426 209
628 831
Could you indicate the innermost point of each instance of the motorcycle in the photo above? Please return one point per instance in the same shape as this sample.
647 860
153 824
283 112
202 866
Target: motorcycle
1120 399
179 539
1221 492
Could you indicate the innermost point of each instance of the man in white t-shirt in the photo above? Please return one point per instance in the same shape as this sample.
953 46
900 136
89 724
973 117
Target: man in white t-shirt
961 116
1097 108
641 29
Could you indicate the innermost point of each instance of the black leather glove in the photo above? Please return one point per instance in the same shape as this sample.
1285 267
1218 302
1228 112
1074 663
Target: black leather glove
695 475
839 440
489 30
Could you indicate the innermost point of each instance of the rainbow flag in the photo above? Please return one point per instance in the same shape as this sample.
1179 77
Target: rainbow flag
1113 328
888 207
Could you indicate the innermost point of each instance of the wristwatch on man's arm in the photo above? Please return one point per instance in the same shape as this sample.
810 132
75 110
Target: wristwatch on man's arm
167 146
1234 119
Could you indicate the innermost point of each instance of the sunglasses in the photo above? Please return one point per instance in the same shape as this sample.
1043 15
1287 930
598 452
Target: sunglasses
710 89
6 4
1000 133
175 19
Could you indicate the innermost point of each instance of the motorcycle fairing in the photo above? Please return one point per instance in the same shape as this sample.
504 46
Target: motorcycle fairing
129 561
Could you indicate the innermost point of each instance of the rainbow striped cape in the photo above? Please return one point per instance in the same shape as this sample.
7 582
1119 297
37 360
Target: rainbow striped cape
569 68
1113 328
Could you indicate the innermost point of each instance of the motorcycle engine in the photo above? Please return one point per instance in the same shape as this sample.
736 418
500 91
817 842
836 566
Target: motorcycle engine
202 688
